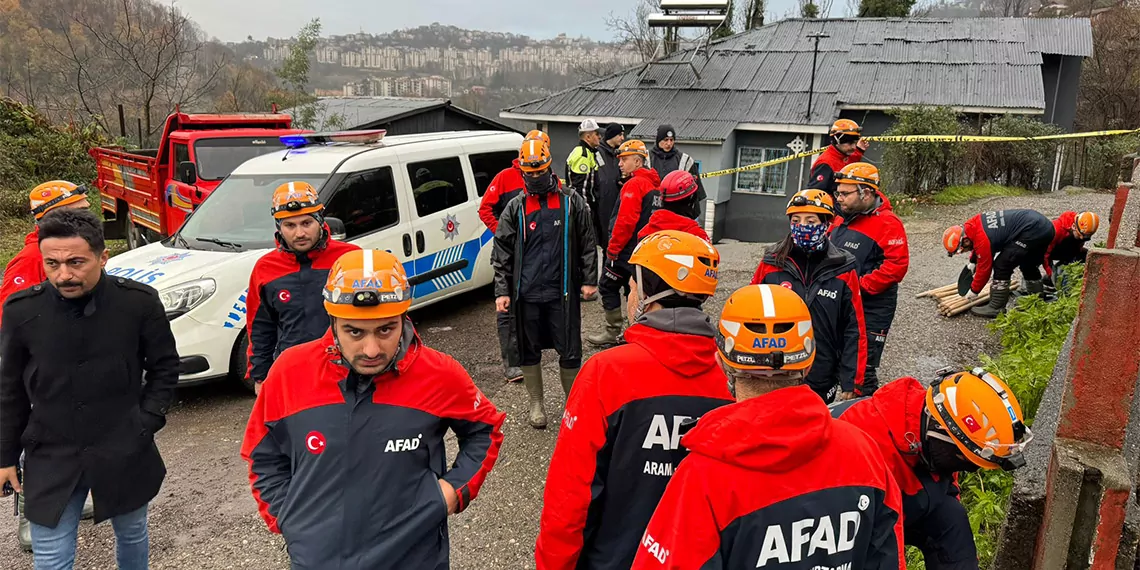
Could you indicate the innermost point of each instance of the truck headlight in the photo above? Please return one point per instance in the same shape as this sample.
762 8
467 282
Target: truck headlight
180 299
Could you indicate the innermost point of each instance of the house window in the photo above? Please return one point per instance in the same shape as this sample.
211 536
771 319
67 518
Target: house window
768 180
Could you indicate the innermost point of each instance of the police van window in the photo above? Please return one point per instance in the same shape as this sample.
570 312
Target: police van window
365 201
437 185
487 165
181 154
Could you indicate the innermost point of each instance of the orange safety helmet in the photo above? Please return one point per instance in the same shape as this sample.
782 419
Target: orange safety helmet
633 147
537 135
534 156
51 195
952 239
811 201
1086 224
844 127
295 199
860 174
685 262
981 416
367 284
766 327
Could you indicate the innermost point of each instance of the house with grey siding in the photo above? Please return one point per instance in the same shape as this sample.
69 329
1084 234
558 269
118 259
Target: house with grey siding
745 99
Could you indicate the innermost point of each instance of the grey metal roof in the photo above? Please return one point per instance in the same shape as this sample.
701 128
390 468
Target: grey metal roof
359 111
700 130
763 76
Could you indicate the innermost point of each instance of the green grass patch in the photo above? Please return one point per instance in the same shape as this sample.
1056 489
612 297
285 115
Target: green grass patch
958 195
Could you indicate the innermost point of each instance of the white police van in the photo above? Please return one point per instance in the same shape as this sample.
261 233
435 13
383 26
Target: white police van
416 196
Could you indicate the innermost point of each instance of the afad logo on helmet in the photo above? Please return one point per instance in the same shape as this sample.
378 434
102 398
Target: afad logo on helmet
766 342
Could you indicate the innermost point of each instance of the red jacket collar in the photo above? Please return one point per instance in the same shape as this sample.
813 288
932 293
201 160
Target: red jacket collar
33 238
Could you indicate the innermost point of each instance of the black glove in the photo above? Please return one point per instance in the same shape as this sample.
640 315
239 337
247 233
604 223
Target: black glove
153 422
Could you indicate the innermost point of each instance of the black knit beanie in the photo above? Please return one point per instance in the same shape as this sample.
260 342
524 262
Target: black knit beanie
665 132
613 130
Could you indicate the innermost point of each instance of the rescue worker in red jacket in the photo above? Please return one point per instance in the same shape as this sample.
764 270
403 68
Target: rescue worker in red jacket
283 307
1071 231
824 275
503 188
1001 241
640 197
870 231
618 443
545 254
847 147
682 199
345 443
966 421
773 481
27 267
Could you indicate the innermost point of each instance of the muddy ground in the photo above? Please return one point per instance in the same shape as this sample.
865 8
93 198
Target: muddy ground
205 518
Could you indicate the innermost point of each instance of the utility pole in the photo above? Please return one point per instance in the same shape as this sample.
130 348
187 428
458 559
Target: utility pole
814 58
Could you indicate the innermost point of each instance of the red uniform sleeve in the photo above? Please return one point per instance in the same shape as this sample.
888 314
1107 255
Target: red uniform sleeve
896 258
683 533
856 156
22 272
983 253
487 204
887 549
270 468
1060 231
571 482
478 426
761 270
629 211
853 360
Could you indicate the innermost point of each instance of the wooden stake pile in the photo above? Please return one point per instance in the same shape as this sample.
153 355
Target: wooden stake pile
950 304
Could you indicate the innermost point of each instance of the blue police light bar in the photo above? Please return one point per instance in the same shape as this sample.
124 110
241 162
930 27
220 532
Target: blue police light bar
357 137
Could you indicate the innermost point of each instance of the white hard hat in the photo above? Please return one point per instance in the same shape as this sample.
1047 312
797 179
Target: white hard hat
587 126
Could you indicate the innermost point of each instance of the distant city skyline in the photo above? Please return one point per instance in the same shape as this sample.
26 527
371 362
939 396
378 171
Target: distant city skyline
231 21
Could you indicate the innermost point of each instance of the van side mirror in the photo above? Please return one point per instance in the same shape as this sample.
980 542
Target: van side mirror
188 172
336 229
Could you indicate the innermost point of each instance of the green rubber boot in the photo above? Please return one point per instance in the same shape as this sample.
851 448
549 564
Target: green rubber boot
532 378
23 528
999 296
567 375
611 335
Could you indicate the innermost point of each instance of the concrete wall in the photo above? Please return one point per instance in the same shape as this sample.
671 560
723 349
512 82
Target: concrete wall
1061 76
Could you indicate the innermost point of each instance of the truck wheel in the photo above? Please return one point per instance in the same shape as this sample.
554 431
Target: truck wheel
138 236
239 362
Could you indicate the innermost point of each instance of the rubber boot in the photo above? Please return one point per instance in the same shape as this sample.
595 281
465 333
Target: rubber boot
23 528
532 378
611 334
999 296
1035 288
567 375
88 508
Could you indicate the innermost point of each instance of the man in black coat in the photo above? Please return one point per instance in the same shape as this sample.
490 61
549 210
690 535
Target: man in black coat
72 359
544 256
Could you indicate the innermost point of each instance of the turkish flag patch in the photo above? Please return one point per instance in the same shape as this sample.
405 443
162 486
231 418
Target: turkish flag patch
819 177
971 424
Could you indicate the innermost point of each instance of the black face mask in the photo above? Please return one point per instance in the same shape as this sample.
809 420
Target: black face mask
541 184
945 457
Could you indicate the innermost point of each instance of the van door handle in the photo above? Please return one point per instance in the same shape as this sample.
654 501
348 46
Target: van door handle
420 241
407 245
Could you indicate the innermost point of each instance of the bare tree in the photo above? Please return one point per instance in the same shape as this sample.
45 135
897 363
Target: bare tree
634 29
754 15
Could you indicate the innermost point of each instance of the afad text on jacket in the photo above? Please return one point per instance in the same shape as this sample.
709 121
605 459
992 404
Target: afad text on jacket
284 304
934 519
993 231
775 483
640 197
827 282
619 440
349 475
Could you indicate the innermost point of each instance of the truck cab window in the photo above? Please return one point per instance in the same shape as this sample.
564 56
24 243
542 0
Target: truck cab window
181 154
365 201
437 185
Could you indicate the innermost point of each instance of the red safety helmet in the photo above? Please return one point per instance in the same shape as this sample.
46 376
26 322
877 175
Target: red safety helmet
678 185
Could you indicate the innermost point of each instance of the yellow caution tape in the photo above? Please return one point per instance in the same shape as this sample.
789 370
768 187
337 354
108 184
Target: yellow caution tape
922 138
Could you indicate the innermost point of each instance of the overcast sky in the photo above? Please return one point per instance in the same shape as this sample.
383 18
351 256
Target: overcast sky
233 20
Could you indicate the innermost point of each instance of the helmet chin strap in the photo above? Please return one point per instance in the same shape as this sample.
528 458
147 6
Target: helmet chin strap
643 302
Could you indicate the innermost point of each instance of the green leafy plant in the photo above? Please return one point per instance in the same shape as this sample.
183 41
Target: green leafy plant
921 168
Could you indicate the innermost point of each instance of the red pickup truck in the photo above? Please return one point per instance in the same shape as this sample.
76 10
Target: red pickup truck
147 194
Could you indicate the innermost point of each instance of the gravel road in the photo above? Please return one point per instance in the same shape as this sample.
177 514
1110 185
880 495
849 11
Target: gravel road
205 518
